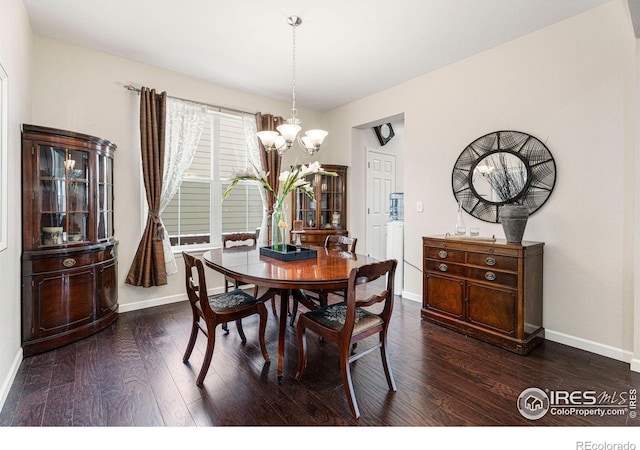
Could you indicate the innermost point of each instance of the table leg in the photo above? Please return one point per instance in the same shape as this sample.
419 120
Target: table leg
284 306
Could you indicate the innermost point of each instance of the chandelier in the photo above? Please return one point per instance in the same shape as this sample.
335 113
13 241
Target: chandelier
288 132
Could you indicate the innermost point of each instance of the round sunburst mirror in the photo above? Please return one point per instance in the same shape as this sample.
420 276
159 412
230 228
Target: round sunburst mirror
500 168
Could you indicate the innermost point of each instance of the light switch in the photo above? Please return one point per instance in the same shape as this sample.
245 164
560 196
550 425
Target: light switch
419 207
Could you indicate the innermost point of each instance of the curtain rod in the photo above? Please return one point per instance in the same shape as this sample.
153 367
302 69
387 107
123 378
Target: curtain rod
131 87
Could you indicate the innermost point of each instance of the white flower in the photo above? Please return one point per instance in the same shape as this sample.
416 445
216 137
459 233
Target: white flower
289 180
284 175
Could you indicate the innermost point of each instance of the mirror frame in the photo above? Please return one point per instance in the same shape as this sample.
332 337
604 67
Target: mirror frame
536 157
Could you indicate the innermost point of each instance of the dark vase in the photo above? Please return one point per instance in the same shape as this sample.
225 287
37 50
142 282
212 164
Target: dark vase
514 221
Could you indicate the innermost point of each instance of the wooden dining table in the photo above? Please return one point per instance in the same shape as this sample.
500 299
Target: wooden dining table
329 270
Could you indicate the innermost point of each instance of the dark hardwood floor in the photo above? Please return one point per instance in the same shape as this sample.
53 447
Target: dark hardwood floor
131 374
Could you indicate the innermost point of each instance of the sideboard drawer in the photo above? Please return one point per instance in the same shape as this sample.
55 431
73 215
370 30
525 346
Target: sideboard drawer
494 276
444 254
68 261
446 267
493 261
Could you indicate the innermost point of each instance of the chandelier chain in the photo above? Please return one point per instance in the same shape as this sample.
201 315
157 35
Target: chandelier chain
288 132
294 111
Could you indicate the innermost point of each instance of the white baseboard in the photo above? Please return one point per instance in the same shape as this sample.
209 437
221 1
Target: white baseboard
11 376
126 307
412 296
593 347
143 304
572 341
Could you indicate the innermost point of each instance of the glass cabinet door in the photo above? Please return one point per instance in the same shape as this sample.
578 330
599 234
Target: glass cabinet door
105 197
305 207
64 193
332 192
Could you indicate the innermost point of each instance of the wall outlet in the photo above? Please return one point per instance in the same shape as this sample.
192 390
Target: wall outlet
419 207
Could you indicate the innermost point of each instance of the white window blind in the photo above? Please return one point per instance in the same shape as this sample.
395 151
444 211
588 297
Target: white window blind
197 216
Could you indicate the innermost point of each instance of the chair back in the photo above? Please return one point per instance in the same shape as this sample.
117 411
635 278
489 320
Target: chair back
196 285
377 293
339 242
238 239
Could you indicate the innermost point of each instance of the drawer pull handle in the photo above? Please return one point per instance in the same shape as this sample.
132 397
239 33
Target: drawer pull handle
490 261
69 262
442 254
490 276
443 267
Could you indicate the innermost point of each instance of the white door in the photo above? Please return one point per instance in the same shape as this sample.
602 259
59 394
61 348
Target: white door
381 181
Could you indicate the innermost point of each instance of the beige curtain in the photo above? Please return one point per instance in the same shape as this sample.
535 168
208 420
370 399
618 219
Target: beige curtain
148 266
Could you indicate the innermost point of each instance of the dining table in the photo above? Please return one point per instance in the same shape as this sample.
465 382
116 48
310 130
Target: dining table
329 269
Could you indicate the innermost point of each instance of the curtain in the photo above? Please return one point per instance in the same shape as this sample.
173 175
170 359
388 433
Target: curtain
253 152
148 266
270 160
270 164
185 122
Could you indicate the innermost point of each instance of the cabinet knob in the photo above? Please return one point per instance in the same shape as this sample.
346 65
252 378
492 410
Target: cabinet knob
69 262
490 276
490 261
442 254
443 267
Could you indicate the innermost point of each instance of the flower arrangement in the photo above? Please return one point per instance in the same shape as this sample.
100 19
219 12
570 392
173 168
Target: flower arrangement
289 181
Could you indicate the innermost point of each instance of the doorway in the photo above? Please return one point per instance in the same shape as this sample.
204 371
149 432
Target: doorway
381 181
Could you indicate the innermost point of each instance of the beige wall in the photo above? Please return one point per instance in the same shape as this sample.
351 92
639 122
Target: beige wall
572 86
15 57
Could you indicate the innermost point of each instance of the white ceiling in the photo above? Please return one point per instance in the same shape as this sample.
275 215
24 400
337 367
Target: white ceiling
346 49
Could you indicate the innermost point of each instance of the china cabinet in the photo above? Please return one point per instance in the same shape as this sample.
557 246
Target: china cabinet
327 214
488 290
69 258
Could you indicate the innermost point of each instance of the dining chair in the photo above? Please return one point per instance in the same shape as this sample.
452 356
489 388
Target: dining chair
217 309
349 322
321 296
245 239
241 239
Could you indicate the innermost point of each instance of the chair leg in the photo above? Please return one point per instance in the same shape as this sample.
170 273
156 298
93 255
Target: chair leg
241 331
302 349
294 311
211 342
385 363
345 370
225 327
192 341
262 311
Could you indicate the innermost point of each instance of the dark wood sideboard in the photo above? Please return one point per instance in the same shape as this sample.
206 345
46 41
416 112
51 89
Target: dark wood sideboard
491 291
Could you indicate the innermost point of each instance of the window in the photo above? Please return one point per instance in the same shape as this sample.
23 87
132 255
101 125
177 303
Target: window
4 106
196 216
